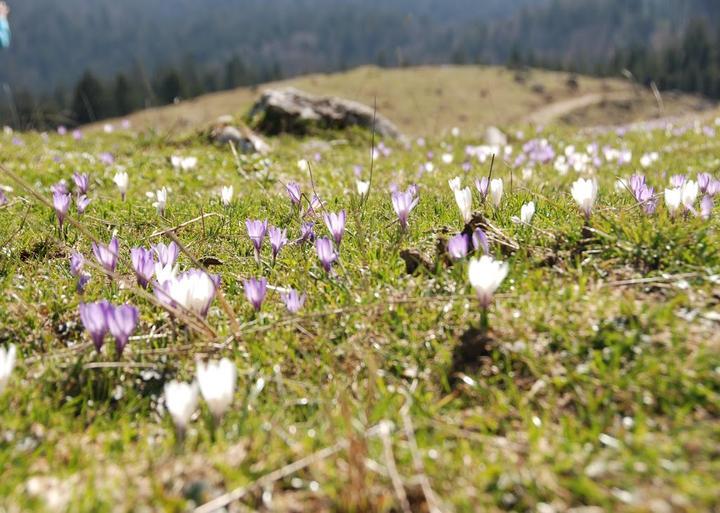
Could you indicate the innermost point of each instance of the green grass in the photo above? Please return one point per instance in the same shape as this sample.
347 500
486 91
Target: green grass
594 388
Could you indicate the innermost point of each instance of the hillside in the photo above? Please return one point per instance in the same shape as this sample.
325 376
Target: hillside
431 100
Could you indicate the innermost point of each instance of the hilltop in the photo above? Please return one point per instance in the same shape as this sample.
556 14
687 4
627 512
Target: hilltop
432 99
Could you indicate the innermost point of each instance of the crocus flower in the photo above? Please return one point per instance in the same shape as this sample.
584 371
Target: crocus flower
122 321
336 225
143 263
77 134
226 195
527 211
480 240
81 203
403 203
293 301
455 184
482 185
673 199
77 263
712 189
278 239
255 291
326 253
59 188
315 204
706 207
167 255
183 163
94 317
496 191
256 231
307 232
457 246
463 198
217 385
690 191
703 180
7 364
82 183
193 290
584 192
3 198
486 275
61 203
181 401
61 130
160 200
122 181
362 187
677 180
293 190
107 256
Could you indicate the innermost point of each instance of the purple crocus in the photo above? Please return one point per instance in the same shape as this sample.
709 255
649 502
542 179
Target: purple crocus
167 255
483 185
278 239
677 180
307 232
315 204
293 190
255 291
81 203
336 225
3 198
107 158
703 180
293 301
107 256
77 263
82 183
457 246
143 263
60 187
706 207
326 253
77 134
713 188
480 240
256 231
61 203
94 317
403 203
122 321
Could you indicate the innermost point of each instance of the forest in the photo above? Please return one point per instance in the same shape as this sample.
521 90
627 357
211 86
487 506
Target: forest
80 61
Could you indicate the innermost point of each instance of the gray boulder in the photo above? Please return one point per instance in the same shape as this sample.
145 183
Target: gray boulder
293 111
244 139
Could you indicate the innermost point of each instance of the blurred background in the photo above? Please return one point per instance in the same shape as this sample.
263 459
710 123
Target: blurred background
78 61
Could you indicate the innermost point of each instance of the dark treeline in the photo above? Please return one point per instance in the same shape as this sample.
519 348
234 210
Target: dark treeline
94 98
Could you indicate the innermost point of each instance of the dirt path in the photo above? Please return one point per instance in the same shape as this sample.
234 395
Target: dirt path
556 110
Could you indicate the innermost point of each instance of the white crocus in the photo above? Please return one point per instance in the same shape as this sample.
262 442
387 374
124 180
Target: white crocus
447 158
362 187
463 198
165 273
527 212
584 192
673 199
183 163
496 191
217 384
181 401
690 190
122 181
455 184
226 195
160 200
303 165
7 364
485 275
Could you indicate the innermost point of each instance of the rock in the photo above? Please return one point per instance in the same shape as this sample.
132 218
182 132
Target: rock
293 111
495 137
244 139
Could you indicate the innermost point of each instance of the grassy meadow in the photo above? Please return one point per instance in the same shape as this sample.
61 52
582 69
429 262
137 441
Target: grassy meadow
595 388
